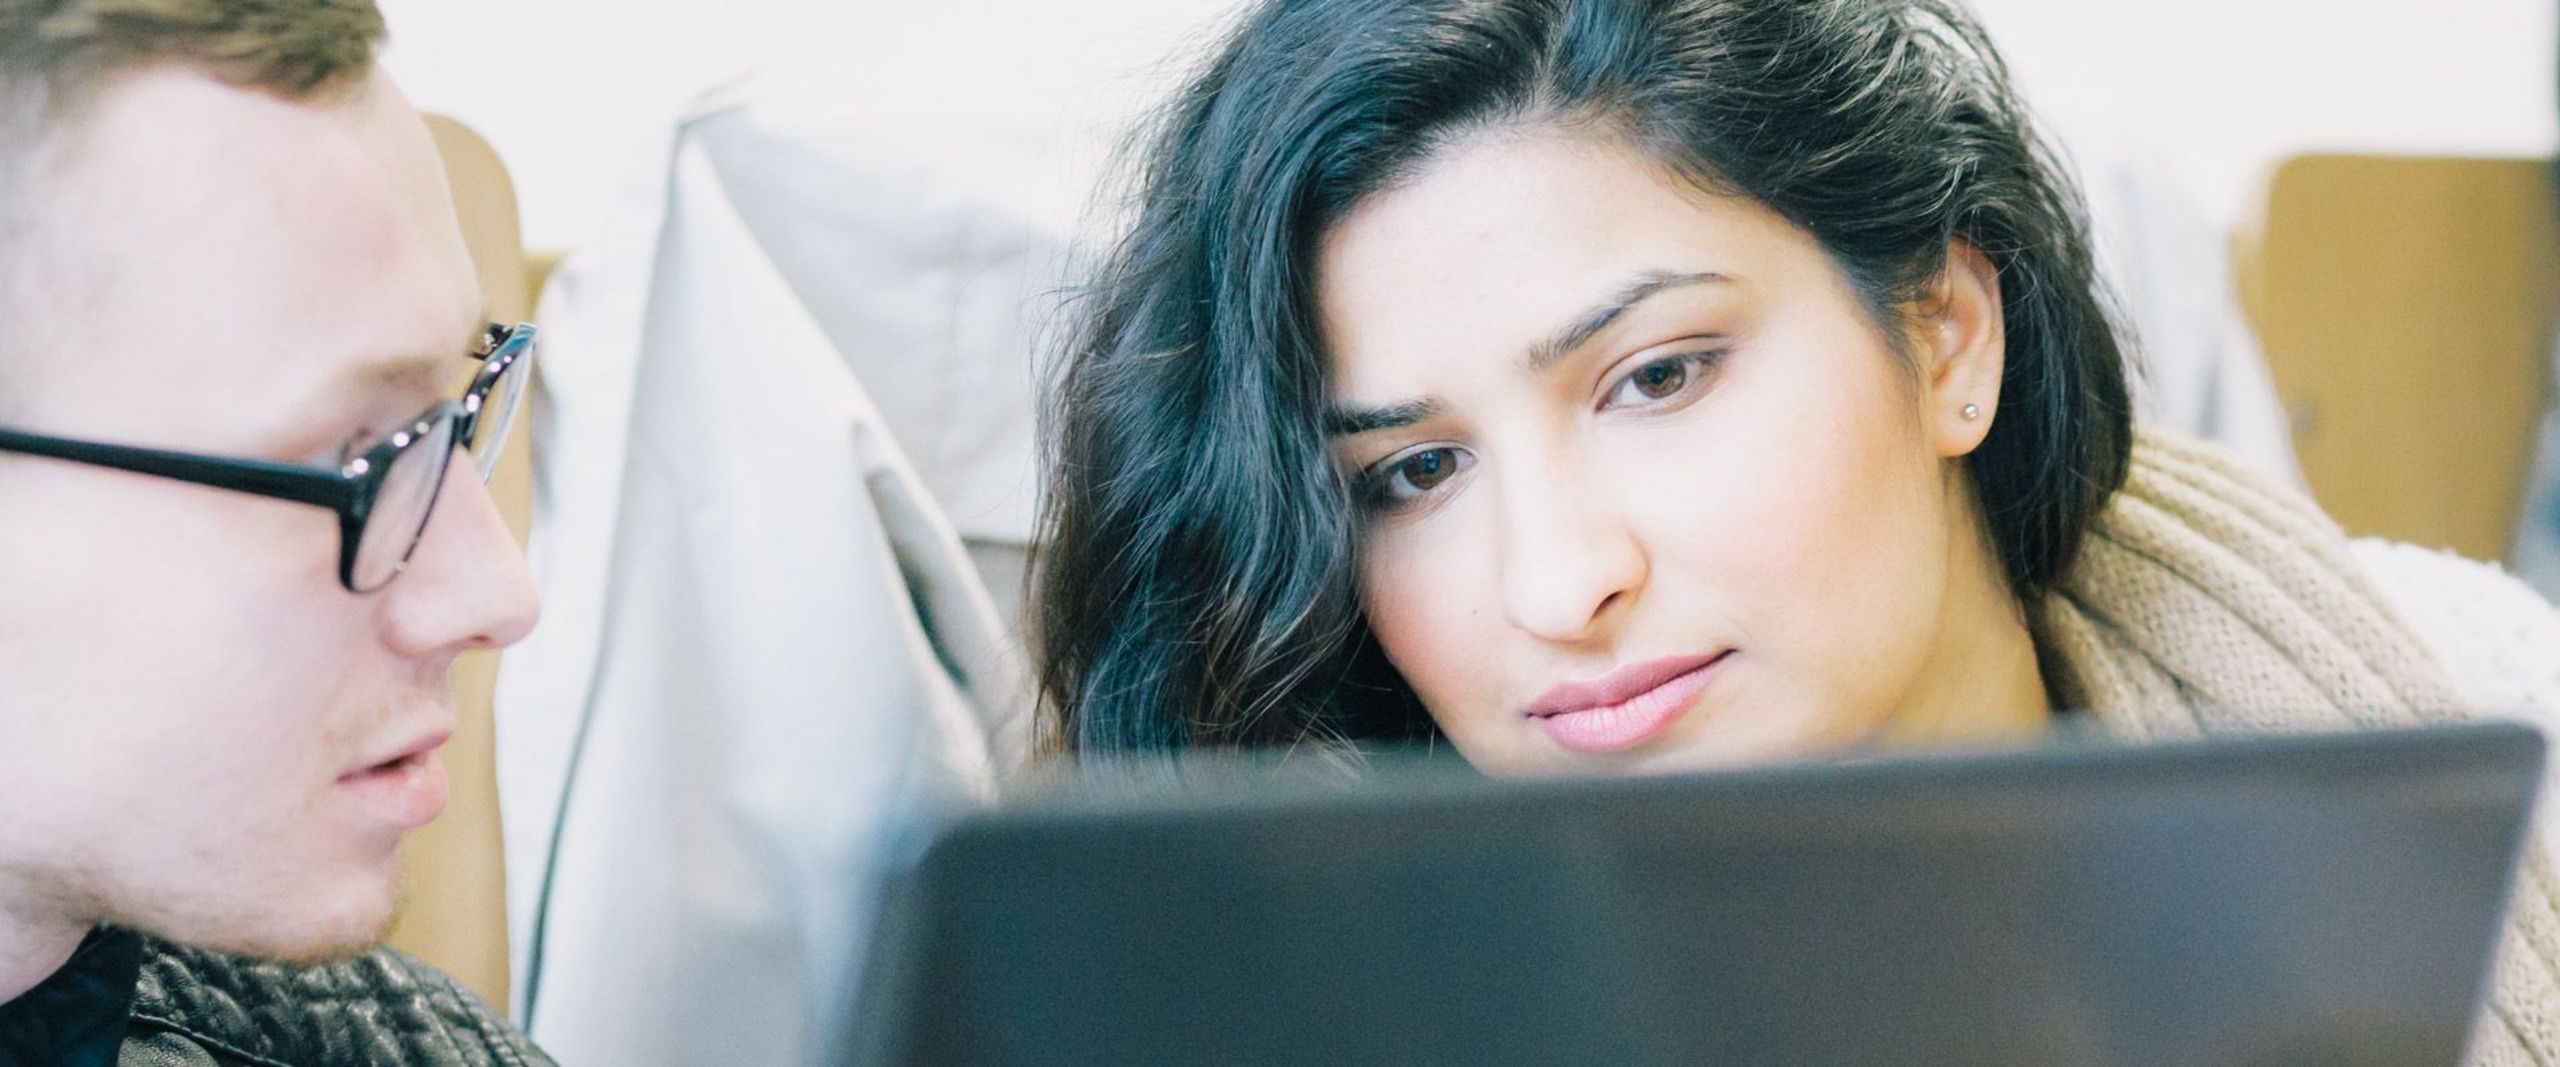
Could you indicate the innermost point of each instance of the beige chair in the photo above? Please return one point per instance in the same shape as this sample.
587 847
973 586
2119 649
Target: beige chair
456 916
2406 307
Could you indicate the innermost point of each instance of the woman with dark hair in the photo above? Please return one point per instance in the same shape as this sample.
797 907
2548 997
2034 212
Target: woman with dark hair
1606 385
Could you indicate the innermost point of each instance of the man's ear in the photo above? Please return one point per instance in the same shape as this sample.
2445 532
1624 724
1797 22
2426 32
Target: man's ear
1962 349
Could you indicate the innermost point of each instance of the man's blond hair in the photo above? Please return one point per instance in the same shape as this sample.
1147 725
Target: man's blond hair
56 55
66 48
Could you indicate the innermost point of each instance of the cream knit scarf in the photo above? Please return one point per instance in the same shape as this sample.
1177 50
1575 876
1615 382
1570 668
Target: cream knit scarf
2209 600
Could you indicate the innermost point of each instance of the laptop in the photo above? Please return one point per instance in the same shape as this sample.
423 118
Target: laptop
2327 899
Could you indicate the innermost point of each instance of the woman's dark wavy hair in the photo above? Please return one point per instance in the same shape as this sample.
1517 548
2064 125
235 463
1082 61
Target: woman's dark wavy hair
1198 584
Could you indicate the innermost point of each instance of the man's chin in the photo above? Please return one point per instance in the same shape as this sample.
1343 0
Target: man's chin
310 948
319 932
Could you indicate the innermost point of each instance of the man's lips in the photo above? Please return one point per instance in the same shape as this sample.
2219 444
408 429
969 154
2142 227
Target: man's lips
415 748
407 789
1627 706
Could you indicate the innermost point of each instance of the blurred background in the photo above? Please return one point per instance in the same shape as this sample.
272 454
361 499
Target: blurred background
2216 90
796 264
2180 114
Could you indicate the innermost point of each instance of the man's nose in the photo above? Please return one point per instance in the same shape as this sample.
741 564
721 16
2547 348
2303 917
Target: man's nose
467 586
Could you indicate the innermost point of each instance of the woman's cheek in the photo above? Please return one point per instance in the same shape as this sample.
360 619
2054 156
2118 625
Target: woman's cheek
1421 609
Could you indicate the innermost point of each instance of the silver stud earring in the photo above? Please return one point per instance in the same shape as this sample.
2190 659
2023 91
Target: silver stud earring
1972 412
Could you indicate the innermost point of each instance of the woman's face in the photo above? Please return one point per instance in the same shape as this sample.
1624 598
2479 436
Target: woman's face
1644 485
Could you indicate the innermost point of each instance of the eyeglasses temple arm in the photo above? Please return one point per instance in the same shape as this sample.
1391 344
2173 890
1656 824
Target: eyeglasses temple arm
309 485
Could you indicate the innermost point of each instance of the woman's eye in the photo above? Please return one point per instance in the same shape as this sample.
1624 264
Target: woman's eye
1660 380
1423 470
1401 480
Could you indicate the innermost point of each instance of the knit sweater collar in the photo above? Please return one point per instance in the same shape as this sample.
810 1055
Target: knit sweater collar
2209 600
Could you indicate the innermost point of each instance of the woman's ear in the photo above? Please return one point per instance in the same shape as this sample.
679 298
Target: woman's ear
1963 349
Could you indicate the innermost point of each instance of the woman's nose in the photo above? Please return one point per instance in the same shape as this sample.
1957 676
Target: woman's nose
1568 555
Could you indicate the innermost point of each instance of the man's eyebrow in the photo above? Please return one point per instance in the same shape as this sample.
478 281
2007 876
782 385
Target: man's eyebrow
430 372
437 370
1588 325
403 373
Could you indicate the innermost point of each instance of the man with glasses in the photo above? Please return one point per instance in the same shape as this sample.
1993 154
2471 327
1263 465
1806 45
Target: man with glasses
242 535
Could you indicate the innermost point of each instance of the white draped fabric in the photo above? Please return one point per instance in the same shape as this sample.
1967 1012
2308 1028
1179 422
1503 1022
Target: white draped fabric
764 640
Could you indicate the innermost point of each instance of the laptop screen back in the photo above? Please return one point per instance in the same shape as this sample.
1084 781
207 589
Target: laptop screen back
2325 899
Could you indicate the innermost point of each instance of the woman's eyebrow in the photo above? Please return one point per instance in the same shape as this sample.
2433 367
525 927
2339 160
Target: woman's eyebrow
1350 421
1345 422
1587 325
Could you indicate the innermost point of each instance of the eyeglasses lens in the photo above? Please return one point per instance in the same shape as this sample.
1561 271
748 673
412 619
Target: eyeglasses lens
401 509
498 413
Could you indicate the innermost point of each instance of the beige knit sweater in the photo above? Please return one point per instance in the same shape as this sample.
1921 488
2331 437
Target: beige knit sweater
2209 600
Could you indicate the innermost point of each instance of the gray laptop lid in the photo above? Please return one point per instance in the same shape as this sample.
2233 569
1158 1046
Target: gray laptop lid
2323 899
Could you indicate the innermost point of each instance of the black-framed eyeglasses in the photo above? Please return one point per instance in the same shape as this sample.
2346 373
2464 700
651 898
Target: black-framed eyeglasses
383 497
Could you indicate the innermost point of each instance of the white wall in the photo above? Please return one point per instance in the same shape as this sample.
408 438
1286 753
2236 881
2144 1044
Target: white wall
2213 90
568 89
2218 90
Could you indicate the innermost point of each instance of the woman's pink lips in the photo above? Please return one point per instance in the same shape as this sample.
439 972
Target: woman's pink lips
1625 707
